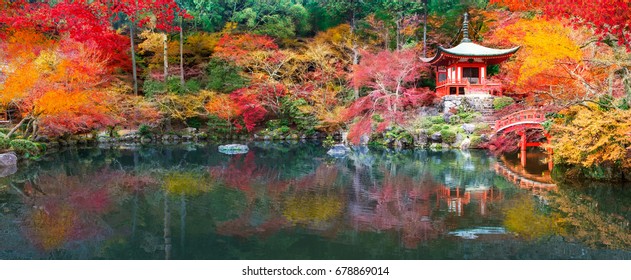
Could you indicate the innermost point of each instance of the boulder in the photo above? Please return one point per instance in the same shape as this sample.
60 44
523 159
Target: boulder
145 140
233 149
466 143
436 137
420 140
364 139
485 138
468 128
338 150
7 171
459 138
446 116
191 130
8 160
42 139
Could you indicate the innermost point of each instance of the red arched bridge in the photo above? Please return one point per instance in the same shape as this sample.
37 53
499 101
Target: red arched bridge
520 122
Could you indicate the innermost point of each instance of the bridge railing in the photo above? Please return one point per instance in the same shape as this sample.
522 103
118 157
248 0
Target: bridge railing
531 115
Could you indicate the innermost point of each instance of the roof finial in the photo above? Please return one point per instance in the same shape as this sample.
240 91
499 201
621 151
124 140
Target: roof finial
465 28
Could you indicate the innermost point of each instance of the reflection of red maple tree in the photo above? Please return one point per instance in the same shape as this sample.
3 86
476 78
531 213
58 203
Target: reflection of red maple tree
242 173
69 208
401 204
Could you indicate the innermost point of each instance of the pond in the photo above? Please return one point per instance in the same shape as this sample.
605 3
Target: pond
293 201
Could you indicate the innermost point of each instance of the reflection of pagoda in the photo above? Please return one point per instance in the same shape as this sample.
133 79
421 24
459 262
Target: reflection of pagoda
462 69
457 198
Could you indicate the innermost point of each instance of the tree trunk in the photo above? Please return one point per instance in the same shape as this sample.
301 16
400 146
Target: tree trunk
166 56
16 127
181 54
133 57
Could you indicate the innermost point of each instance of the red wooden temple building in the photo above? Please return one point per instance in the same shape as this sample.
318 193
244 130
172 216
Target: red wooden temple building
462 69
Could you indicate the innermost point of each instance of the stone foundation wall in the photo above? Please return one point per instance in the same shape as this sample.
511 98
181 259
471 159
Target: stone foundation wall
482 103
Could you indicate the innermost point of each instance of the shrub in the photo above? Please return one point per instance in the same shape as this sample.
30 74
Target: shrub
24 147
448 136
455 119
218 126
476 141
435 128
468 116
293 110
5 143
144 130
153 87
500 103
437 120
224 76
284 129
194 122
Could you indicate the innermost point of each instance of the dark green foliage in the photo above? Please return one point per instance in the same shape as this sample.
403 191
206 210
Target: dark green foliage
144 130
223 76
4 143
153 87
194 122
218 126
303 121
174 85
25 148
492 70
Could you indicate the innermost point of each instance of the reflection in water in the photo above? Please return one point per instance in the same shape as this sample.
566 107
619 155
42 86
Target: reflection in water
286 201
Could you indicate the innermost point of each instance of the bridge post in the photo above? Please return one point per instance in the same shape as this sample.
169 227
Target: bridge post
523 143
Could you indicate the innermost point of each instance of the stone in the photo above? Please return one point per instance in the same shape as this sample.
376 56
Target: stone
468 128
145 140
484 138
190 130
42 139
420 139
364 139
436 137
267 138
447 116
8 159
338 151
233 149
8 171
466 143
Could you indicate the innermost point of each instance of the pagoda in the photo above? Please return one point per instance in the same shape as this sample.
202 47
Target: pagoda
461 70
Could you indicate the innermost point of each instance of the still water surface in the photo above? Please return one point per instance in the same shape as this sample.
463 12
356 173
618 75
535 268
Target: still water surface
293 201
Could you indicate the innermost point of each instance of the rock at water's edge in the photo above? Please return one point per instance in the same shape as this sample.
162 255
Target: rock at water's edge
234 149
7 171
8 159
338 150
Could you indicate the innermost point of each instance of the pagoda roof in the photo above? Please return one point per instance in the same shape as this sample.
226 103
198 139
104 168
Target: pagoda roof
468 49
